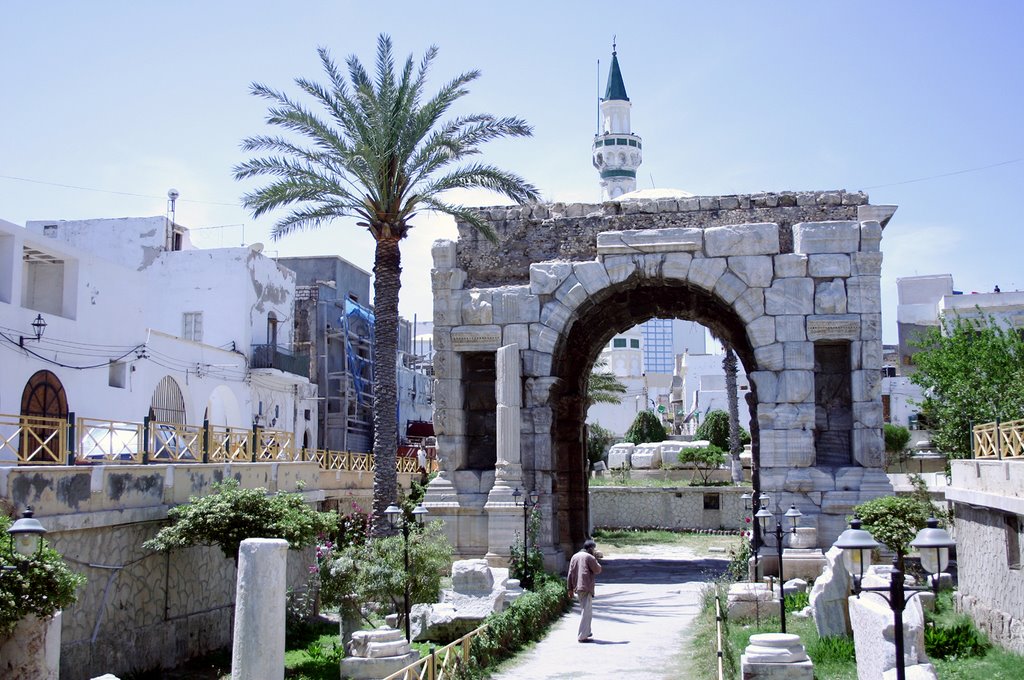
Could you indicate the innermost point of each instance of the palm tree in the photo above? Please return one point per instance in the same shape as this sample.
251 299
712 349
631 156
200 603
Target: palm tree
603 387
377 150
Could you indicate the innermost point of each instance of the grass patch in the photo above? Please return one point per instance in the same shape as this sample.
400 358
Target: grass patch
611 541
649 482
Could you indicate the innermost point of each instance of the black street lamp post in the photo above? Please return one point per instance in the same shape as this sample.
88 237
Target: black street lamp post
393 513
756 538
932 543
764 517
530 500
25 537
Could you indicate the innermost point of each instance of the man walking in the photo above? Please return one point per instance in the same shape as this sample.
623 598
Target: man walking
583 567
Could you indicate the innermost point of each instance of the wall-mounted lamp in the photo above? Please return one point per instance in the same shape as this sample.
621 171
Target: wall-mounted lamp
38 326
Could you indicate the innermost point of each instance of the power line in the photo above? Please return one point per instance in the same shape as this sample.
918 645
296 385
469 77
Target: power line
116 193
945 174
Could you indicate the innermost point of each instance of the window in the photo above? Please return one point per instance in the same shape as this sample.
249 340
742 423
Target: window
117 374
634 343
619 342
192 326
712 501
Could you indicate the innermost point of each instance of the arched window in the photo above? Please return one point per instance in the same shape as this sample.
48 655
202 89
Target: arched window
43 397
168 404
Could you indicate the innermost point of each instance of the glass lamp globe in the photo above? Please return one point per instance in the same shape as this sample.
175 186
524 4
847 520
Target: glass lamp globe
26 534
857 546
933 544
419 513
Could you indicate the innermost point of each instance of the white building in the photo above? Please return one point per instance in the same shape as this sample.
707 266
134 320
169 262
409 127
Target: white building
702 389
617 152
139 323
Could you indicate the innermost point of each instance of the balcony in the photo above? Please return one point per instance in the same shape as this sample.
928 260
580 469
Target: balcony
271 356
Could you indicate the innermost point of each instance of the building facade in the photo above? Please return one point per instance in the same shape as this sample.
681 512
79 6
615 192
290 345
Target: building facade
139 324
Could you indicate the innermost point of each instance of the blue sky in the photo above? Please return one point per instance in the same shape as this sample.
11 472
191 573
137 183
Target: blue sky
729 97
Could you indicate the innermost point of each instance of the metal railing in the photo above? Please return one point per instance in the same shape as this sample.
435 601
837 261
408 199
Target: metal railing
37 440
442 663
998 440
281 358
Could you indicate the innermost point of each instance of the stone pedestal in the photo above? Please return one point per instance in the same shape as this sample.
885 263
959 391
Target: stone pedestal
258 649
377 654
33 649
776 656
749 600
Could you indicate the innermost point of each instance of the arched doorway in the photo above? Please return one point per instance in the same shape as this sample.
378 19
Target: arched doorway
42 399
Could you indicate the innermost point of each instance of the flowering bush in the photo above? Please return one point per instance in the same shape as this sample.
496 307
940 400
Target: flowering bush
41 585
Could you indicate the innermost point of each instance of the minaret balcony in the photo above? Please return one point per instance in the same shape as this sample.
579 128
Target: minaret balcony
617 139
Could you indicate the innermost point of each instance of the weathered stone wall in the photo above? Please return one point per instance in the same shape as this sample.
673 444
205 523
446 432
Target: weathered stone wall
534 233
141 610
680 507
989 507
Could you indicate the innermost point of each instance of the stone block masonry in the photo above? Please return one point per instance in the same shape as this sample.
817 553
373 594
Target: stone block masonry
526 231
788 280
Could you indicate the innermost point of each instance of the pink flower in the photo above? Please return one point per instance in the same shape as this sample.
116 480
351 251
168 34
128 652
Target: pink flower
313 569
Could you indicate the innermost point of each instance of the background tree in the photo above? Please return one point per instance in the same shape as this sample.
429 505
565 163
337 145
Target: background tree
603 387
379 151
598 440
646 427
715 429
705 460
972 370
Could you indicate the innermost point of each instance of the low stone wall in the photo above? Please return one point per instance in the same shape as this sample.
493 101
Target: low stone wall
141 610
682 507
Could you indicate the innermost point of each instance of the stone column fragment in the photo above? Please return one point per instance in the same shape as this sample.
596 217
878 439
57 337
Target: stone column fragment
258 649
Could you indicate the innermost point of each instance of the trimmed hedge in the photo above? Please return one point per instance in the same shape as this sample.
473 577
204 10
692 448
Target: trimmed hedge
526 620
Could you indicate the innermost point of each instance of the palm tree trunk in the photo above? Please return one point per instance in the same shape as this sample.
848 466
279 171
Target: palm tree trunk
730 368
387 270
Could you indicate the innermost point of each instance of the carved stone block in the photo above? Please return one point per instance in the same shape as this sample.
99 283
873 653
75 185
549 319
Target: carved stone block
742 239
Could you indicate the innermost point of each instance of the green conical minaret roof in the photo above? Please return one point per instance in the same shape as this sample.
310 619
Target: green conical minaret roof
616 88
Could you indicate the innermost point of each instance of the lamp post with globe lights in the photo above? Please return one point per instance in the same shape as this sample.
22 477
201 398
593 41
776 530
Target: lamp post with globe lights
393 513
764 517
933 545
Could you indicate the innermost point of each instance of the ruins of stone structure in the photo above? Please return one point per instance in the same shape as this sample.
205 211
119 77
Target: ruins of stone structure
789 280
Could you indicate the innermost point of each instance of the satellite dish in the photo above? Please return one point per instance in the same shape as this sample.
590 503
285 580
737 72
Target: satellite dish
256 247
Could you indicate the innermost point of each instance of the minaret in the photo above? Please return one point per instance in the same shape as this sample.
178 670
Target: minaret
617 151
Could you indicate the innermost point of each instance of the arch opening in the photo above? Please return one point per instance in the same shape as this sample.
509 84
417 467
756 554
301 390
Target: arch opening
600 318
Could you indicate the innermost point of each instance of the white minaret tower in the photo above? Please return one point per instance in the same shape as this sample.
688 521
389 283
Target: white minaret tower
617 151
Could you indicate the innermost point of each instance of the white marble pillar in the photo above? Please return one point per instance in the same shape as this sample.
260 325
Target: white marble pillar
258 650
503 516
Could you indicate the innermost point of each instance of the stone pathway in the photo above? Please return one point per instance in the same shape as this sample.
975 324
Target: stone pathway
644 606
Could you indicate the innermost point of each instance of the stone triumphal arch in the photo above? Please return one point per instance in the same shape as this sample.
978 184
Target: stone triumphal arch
790 280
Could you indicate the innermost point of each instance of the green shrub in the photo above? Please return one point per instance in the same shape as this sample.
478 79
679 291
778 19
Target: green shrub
797 601
705 460
231 514
526 620
598 441
524 567
896 437
41 585
894 520
959 640
374 571
715 429
738 569
832 650
646 427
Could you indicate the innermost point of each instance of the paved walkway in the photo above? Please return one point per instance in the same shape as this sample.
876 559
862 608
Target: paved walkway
642 614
